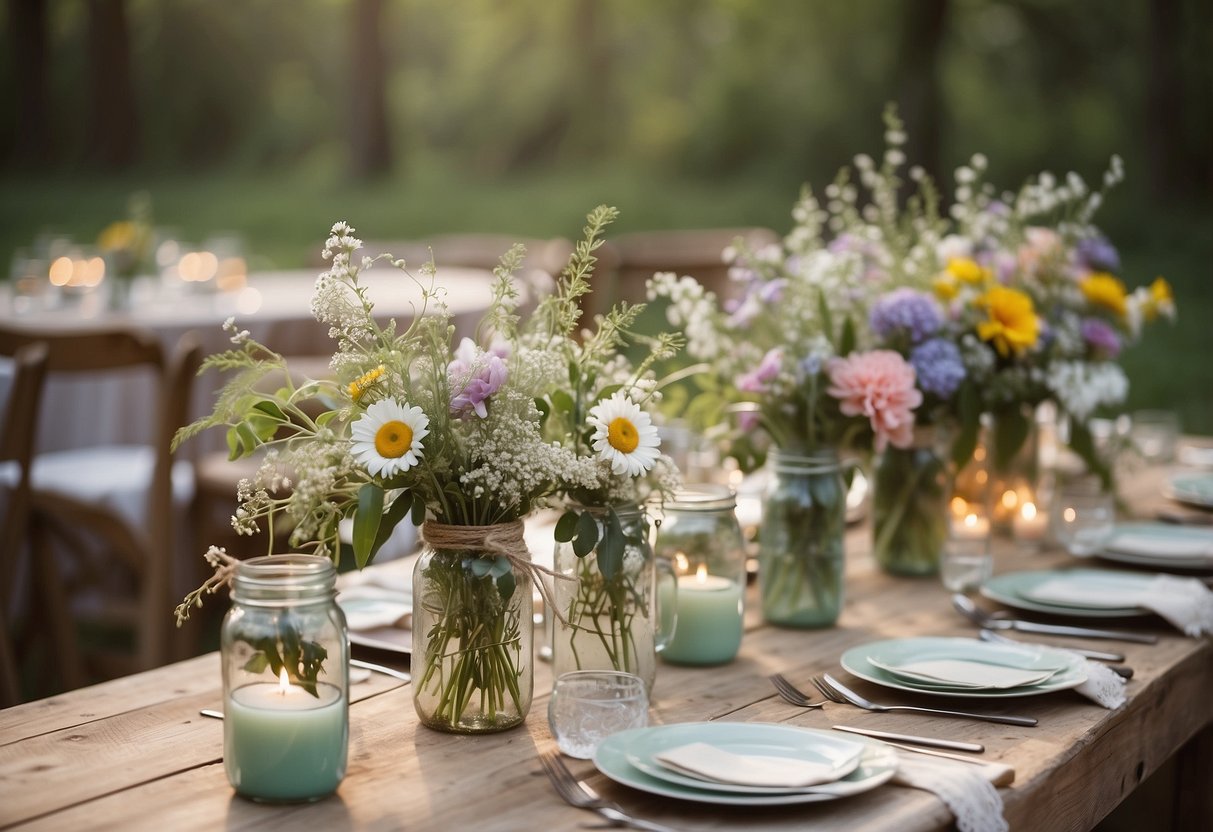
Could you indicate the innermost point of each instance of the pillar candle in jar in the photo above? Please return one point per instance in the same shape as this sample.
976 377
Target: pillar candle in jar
1029 524
971 527
709 620
282 744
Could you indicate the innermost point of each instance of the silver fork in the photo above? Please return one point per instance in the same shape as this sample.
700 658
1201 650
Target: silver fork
579 793
791 694
832 689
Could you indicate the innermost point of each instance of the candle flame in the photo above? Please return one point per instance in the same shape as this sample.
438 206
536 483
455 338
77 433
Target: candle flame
970 521
701 574
284 682
681 563
1028 512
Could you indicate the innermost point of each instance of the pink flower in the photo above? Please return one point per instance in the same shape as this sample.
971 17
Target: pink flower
880 385
474 376
759 381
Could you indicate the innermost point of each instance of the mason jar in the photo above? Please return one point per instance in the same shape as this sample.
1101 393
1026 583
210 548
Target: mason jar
700 536
284 650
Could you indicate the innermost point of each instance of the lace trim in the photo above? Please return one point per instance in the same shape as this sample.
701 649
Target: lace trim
971 798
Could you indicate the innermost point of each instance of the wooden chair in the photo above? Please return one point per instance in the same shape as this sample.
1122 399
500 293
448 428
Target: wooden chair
16 452
694 252
110 509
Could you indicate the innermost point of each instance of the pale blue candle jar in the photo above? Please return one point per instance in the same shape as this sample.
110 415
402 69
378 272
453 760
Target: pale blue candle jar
699 534
285 656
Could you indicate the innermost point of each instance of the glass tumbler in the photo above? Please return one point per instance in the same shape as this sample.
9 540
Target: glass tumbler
587 706
1084 518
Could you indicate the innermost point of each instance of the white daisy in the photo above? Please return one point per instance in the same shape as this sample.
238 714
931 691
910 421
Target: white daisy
624 435
387 438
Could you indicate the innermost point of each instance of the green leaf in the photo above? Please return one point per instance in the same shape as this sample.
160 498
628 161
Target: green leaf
366 522
1011 428
257 663
610 550
968 412
566 526
544 409
264 426
608 391
233 444
271 408
418 509
574 374
506 584
248 438
324 418
587 535
391 518
562 401
846 341
823 310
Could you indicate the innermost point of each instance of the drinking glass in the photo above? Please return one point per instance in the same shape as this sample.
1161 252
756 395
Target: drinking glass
587 706
966 561
1155 433
1084 518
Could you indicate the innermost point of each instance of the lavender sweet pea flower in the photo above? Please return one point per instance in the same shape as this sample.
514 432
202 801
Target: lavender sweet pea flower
759 381
1101 337
474 376
939 367
772 292
905 312
1097 254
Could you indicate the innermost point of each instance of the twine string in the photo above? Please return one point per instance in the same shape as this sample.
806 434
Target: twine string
499 540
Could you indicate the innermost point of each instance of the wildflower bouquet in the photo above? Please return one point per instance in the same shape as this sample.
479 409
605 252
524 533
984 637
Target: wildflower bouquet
412 427
126 246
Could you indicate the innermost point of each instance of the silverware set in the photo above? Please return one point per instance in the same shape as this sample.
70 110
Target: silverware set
580 794
835 691
989 621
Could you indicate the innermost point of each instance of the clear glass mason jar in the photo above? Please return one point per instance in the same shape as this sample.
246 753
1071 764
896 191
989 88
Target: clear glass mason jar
611 623
700 535
910 501
472 638
285 656
800 557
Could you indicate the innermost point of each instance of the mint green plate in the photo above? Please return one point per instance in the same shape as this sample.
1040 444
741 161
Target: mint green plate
1012 589
1193 489
1070 670
877 763
1161 532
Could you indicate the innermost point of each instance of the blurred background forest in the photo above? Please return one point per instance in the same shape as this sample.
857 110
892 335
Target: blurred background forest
414 117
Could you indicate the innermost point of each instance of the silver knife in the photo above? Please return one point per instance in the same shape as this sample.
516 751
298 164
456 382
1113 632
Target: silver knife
1077 632
1100 655
378 668
931 742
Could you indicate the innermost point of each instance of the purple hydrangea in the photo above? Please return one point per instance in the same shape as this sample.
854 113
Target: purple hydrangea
905 312
938 365
474 376
1097 254
1101 337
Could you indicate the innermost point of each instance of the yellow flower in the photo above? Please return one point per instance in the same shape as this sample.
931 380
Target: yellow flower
967 270
945 286
1161 300
365 381
118 236
1013 325
1104 290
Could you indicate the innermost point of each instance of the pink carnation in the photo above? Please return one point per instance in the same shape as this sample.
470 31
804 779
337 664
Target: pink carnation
880 385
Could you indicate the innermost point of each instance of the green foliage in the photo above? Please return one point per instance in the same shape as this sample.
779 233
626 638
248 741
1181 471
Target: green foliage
286 650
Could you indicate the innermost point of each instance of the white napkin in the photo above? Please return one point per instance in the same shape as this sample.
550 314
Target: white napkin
707 762
367 607
1103 685
968 674
1185 602
963 787
1194 544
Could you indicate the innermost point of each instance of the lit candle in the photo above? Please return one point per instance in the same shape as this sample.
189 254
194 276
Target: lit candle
280 743
709 619
1029 524
972 527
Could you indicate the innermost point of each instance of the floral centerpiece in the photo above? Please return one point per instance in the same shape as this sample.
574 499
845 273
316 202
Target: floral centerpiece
126 246
454 438
793 356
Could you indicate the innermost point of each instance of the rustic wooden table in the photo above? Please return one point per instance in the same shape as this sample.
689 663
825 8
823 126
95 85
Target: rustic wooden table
134 753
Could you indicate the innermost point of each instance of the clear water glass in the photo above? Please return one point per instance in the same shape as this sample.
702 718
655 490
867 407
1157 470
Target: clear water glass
587 706
966 561
1154 434
1085 518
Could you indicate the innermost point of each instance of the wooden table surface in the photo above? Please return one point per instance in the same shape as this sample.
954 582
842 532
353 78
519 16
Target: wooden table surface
135 753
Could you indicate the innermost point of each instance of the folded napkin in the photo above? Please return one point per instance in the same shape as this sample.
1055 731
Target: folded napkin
707 762
968 674
963 787
1192 544
1185 602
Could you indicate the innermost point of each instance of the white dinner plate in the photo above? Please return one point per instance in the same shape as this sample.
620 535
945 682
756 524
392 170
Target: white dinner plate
1070 671
877 763
1014 588
1160 545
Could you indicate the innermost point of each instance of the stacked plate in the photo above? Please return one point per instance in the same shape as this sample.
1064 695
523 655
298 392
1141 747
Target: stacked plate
378 617
1194 489
745 764
965 667
1083 593
1160 545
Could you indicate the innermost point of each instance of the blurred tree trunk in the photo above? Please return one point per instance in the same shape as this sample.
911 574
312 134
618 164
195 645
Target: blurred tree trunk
114 142
920 103
28 50
370 143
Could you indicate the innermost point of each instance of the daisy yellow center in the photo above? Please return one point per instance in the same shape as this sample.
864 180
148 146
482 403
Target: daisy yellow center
393 440
622 435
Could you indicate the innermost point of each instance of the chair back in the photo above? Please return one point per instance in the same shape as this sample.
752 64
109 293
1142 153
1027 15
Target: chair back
103 351
19 426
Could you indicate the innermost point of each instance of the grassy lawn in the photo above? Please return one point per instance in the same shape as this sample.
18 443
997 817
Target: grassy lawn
284 218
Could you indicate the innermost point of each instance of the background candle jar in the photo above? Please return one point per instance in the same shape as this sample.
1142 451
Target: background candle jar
700 535
285 657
